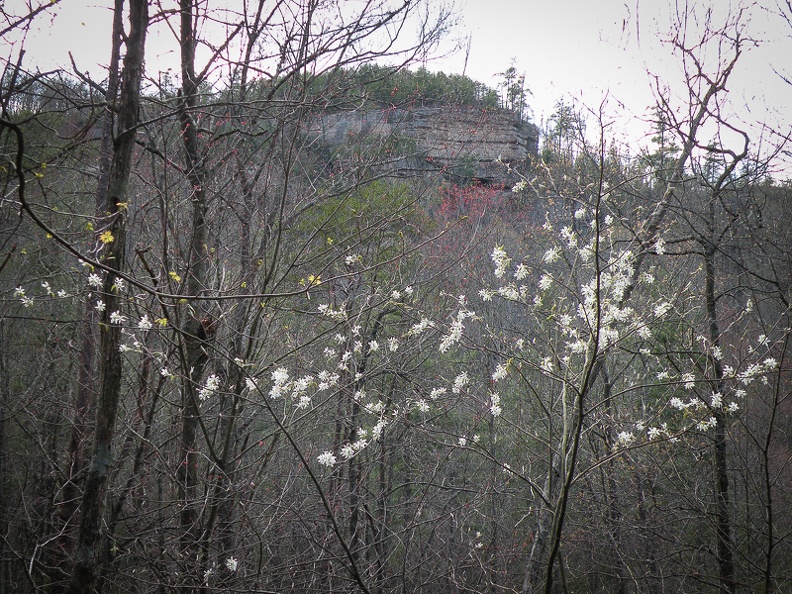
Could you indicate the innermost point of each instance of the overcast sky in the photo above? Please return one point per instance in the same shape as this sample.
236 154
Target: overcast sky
592 49
582 49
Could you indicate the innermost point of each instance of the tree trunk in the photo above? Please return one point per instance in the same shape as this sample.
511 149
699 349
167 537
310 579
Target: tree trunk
196 331
725 553
92 504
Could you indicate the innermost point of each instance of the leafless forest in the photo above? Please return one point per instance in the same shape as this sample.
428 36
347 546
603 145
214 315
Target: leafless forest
237 356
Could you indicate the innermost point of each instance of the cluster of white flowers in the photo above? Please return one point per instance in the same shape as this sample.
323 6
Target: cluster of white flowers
280 382
495 407
500 371
460 382
757 370
327 310
117 318
662 309
520 186
501 260
545 282
421 326
654 433
568 235
19 293
349 450
209 388
552 255
455 332
327 459
624 439
437 392
145 324
231 564
707 424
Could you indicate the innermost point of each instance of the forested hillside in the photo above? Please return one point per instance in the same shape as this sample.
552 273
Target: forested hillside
239 357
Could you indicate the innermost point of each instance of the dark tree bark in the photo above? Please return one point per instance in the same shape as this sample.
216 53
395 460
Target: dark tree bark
92 504
195 331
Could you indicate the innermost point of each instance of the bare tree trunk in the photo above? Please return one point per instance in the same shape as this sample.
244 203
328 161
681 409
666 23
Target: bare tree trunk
86 367
725 546
195 331
92 505
5 520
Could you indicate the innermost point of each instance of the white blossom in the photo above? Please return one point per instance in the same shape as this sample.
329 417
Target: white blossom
625 438
460 382
326 459
117 318
210 387
436 393
520 186
500 372
676 403
454 335
551 255
501 260
421 326
377 429
716 400
495 408
662 309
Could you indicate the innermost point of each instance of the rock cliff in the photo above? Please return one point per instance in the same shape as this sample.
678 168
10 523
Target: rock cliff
462 142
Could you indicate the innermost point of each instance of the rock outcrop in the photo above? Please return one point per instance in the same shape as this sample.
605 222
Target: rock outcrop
462 142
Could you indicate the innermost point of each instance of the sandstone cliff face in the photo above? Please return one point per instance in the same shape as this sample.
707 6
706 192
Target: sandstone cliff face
458 141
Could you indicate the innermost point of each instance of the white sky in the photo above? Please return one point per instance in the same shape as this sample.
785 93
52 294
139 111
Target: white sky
592 49
582 49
